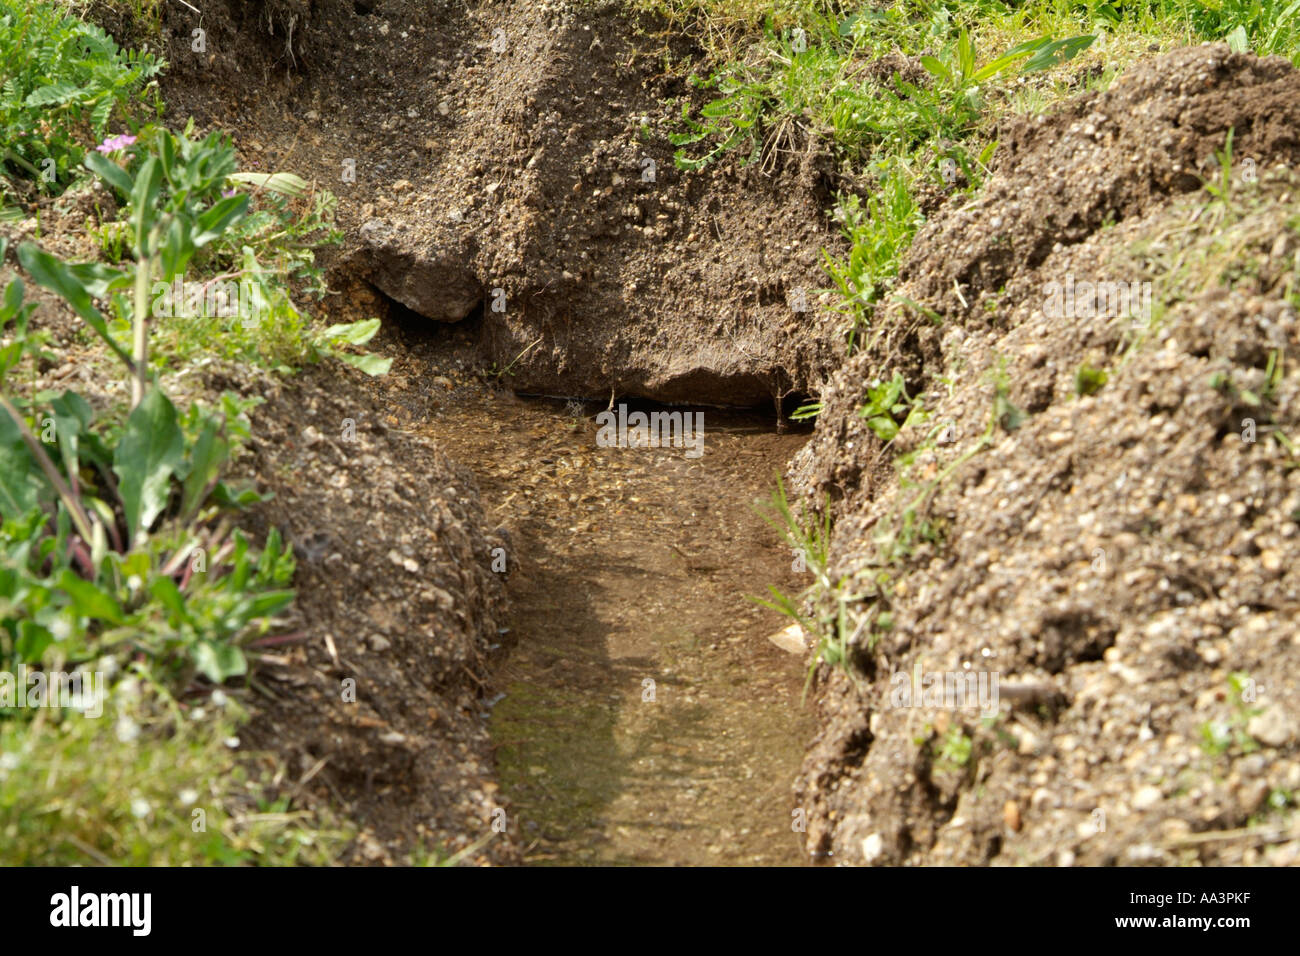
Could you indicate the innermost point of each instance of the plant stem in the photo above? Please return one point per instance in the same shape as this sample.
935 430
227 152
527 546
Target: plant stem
140 341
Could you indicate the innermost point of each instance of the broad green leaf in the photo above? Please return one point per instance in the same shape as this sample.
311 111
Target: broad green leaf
109 171
144 202
286 184
884 427
965 55
32 641
177 249
148 454
13 299
55 275
267 603
88 600
353 333
937 68
1006 59
206 458
100 279
1057 52
1029 46
216 662
369 363
215 221
1237 40
72 414
22 485
229 497
166 591
167 156
13 310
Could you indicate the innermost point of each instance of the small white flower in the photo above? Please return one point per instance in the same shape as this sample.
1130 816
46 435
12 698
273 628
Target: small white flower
232 743
140 808
188 797
133 583
61 629
218 698
8 761
197 714
127 729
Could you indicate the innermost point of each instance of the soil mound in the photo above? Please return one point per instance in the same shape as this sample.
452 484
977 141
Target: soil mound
381 707
1101 509
1104 157
495 159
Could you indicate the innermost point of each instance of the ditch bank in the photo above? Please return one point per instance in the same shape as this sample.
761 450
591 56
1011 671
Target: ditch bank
507 159
1100 508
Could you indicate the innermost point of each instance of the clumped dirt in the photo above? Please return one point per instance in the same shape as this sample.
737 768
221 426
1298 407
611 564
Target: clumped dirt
380 704
509 159
1123 559
1103 157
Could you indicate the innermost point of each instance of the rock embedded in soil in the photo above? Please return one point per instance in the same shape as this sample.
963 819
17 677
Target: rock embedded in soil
535 195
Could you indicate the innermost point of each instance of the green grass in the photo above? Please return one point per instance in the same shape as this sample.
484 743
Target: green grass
788 76
147 783
118 545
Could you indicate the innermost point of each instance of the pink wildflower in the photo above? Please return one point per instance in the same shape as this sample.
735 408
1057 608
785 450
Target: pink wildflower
114 143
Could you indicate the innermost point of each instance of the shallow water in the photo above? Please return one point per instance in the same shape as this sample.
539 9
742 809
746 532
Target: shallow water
646 718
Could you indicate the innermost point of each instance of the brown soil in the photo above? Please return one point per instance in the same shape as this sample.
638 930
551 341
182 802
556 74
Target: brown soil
1118 556
1104 157
395 595
501 166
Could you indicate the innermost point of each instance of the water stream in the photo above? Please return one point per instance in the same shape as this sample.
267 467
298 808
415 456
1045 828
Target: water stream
646 718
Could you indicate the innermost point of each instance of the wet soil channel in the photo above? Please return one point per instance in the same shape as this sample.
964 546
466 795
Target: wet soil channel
639 714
